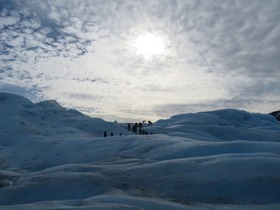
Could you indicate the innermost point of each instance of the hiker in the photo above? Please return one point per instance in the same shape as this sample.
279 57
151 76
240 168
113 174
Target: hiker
134 128
112 134
128 126
105 134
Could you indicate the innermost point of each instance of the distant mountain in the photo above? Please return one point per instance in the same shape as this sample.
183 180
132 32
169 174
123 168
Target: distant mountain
276 114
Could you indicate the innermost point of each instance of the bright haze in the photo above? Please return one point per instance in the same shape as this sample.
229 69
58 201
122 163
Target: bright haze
142 59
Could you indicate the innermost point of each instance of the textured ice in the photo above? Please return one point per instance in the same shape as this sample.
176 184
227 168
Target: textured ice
54 158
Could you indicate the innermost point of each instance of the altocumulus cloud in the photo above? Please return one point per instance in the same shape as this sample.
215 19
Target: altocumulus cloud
218 54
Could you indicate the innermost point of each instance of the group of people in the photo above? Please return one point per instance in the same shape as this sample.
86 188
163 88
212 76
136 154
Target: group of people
112 134
137 128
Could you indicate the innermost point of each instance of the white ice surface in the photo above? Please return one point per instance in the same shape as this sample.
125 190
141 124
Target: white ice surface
53 158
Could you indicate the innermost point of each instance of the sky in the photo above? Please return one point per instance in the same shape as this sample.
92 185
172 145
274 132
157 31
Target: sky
131 60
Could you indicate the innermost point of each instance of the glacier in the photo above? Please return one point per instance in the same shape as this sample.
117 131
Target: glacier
54 158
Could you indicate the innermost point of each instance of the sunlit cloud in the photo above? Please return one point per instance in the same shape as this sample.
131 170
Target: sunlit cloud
129 59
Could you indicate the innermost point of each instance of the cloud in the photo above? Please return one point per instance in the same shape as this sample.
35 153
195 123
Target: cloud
223 52
17 89
26 29
234 37
168 110
8 21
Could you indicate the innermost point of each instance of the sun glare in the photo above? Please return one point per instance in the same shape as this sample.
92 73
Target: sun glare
149 45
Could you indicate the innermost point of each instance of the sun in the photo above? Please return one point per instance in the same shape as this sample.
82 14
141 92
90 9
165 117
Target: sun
149 45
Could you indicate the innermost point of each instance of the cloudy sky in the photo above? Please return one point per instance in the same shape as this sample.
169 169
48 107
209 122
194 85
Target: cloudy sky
142 59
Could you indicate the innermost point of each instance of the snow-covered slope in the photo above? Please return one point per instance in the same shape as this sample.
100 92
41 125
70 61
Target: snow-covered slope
220 125
49 119
53 158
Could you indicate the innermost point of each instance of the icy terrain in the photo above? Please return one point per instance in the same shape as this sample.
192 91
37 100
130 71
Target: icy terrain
53 158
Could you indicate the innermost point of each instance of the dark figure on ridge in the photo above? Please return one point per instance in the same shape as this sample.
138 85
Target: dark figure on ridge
134 128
